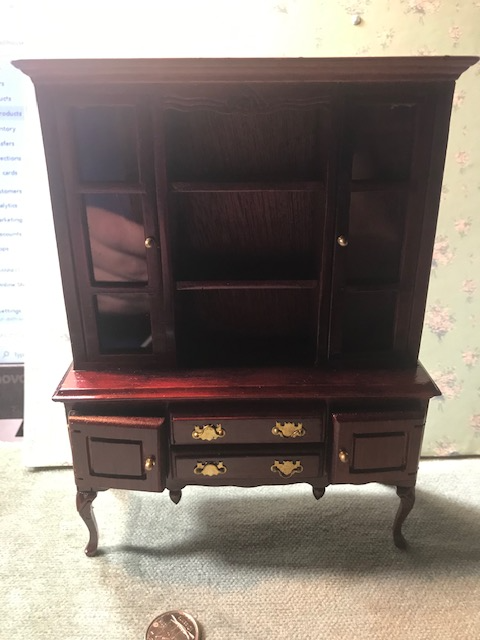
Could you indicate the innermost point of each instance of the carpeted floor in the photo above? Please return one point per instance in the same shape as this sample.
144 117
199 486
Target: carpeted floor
248 564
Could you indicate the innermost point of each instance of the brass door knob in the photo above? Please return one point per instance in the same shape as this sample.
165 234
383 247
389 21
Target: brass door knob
149 242
342 241
343 456
149 463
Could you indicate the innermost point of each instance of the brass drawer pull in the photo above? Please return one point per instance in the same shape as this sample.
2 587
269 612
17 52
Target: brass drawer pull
343 456
288 430
150 463
210 469
342 241
208 432
287 468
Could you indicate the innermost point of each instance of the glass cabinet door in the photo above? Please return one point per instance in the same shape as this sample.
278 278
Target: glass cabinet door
111 212
370 241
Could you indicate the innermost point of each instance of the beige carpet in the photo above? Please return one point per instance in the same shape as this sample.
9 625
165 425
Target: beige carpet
248 564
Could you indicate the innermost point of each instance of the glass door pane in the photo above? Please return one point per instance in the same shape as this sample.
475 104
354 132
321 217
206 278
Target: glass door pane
106 143
124 323
375 237
382 141
368 321
116 237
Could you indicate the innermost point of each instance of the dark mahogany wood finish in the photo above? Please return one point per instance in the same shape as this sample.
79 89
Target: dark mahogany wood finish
245 249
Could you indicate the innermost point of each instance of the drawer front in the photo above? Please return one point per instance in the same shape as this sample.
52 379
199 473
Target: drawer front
231 469
116 452
221 429
376 446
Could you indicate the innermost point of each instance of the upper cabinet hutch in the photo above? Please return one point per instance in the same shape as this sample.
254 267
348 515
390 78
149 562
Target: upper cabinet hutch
245 249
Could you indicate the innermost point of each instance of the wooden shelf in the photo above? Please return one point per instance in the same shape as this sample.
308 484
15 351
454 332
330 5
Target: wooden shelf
377 287
379 185
216 187
210 285
110 187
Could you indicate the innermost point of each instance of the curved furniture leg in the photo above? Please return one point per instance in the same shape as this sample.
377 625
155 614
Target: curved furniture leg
85 509
175 496
318 492
407 500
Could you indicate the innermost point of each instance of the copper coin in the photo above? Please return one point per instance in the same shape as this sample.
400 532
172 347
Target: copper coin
173 625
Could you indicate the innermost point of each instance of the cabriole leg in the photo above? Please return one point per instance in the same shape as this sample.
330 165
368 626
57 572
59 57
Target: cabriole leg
85 509
407 500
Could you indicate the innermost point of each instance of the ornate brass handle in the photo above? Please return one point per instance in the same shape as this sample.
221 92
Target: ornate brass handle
208 432
288 430
210 469
343 456
342 241
150 463
287 468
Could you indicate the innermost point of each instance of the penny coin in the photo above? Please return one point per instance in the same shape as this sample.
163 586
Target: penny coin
173 625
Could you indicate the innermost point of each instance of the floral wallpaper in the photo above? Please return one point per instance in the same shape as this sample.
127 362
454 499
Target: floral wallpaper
451 337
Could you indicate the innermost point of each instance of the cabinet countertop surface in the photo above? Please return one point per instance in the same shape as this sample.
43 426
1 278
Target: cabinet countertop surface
288 382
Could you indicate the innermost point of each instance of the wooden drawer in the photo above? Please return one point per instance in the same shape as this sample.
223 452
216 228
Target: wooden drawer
224 429
244 469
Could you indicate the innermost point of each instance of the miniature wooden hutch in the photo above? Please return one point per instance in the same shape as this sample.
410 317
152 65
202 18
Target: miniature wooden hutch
245 249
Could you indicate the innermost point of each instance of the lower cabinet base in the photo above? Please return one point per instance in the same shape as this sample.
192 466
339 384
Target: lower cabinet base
85 509
343 438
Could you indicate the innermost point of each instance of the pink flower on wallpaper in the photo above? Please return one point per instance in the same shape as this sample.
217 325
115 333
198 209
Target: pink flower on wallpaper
463 159
455 34
385 38
463 226
426 51
475 423
445 448
439 320
442 254
470 358
424 6
354 7
448 383
458 99
469 287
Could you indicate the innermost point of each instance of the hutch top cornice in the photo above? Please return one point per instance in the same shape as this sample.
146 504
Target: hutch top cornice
227 70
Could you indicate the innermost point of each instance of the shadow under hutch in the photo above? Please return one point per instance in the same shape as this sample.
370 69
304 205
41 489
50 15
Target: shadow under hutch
245 247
